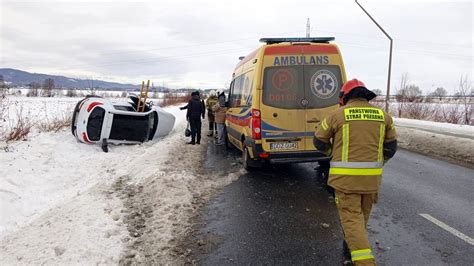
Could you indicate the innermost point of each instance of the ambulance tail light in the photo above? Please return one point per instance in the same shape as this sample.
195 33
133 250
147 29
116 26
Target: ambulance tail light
256 122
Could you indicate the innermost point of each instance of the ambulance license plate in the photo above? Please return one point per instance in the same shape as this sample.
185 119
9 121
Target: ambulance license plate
284 146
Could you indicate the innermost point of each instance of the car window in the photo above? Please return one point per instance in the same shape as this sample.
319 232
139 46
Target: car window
124 108
94 123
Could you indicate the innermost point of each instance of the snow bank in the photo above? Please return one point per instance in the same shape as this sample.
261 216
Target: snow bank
444 141
436 127
64 202
51 168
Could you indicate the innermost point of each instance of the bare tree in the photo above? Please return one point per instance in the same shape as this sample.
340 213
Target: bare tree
440 92
71 93
48 87
3 111
401 91
464 92
377 91
3 87
413 93
33 89
90 84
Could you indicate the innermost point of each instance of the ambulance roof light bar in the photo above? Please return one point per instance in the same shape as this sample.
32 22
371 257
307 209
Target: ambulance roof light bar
308 39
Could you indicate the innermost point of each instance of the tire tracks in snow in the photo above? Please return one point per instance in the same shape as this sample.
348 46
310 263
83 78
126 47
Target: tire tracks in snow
158 209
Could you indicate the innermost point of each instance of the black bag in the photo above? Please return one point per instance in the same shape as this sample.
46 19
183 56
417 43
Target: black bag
187 132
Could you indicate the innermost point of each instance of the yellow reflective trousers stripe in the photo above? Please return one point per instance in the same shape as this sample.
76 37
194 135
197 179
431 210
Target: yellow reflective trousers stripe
362 254
381 139
355 171
345 143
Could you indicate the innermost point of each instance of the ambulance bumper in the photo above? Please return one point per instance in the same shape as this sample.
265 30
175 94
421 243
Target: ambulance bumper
286 157
297 157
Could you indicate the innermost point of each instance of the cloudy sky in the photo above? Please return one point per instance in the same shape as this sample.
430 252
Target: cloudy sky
197 43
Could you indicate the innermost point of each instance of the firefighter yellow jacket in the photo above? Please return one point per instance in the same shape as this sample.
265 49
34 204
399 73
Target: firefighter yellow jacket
358 131
210 102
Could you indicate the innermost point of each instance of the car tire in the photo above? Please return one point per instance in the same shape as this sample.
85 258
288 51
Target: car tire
249 163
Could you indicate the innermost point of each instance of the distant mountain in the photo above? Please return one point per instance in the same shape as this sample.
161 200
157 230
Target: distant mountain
23 78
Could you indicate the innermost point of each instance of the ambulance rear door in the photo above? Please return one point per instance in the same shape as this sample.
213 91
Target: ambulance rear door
282 112
323 79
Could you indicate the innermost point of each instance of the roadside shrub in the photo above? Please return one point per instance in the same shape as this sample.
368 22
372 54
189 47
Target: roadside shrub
421 111
3 107
451 114
71 93
55 124
173 99
21 129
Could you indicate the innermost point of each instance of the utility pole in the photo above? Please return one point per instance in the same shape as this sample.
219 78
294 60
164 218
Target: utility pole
387 98
308 28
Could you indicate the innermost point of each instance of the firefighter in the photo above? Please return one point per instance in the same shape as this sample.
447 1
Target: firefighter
210 102
362 139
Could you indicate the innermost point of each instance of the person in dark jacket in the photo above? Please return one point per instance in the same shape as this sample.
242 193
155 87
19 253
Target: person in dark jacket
196 110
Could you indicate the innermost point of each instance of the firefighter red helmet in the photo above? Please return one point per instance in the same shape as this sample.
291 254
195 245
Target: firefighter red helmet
348 87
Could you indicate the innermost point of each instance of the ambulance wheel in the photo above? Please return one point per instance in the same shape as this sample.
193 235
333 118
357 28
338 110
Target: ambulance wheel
322 172
248 163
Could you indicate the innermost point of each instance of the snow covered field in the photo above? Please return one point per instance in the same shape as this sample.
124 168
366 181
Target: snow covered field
64 202
42 109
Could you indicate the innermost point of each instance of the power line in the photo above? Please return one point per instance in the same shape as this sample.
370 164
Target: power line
403 40
172 47
456 56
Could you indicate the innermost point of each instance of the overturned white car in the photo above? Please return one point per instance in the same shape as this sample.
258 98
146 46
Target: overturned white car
98 120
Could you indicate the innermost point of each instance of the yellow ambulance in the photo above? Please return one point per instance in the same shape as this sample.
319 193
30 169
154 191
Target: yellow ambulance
278 95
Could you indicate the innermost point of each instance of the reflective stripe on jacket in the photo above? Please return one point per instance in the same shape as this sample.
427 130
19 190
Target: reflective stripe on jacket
358 131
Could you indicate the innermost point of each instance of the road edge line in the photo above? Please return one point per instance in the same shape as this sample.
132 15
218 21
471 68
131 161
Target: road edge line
448 228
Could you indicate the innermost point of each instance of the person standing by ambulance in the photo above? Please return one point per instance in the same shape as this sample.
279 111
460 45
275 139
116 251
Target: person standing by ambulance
196 110
210 102
363 140
220 111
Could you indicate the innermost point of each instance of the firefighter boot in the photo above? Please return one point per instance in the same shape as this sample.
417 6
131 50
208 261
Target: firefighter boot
346 253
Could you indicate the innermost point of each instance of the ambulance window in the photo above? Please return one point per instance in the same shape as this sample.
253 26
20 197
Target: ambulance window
283 87
322 85
236 93
247 81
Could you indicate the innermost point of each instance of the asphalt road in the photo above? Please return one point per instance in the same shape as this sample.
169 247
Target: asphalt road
283 215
